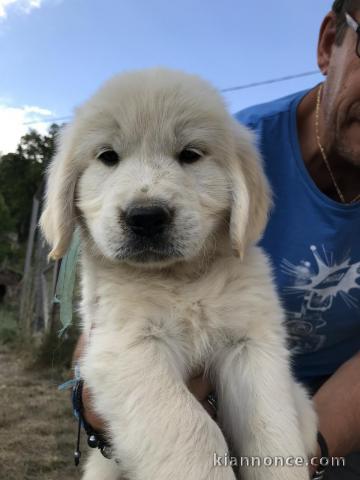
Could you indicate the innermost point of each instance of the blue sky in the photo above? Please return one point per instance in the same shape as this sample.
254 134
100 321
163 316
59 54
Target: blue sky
55 53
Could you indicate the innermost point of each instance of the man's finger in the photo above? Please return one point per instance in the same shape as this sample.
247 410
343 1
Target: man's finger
200 387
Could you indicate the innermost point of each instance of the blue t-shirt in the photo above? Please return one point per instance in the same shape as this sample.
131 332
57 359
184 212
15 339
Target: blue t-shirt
314 244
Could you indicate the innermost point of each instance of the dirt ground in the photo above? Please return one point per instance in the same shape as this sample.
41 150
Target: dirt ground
37 429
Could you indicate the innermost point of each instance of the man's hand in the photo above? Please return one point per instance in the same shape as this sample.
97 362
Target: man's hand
338 406
89 413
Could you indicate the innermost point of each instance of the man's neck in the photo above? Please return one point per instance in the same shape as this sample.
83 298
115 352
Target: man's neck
346 174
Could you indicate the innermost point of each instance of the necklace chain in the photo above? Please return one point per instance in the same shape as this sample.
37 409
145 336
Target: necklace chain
323 154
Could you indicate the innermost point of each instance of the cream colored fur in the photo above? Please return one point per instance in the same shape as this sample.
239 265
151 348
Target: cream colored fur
212 307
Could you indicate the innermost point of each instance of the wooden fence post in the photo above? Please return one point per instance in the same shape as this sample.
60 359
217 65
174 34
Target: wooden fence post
27 297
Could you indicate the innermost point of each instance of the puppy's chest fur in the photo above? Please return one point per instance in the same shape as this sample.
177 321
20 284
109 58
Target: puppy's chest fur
194 317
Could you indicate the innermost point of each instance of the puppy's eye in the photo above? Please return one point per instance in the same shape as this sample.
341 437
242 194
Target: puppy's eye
109 158
190 155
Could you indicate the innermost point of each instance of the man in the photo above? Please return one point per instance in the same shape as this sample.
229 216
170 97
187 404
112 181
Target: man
310 143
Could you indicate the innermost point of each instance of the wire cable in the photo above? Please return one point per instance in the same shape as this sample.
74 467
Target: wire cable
267 82
50 120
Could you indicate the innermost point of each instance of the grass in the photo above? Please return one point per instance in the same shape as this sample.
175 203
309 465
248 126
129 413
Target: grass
37 427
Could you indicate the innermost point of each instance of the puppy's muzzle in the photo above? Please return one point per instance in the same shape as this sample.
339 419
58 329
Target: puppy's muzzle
148 221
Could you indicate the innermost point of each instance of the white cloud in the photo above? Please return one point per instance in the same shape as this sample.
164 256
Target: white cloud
40 111
24 6
3 5
14 122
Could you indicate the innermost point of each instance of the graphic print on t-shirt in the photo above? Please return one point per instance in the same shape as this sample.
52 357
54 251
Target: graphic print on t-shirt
318 288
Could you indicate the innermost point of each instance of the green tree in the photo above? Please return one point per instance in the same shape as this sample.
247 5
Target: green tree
6 227
21 177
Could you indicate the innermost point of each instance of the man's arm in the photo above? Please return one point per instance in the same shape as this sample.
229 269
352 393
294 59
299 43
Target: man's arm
338 406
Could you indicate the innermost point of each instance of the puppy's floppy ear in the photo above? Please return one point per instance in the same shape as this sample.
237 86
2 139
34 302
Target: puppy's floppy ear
251 195
57 221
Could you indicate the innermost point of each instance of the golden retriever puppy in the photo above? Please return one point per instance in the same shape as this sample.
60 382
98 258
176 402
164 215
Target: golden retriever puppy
170 198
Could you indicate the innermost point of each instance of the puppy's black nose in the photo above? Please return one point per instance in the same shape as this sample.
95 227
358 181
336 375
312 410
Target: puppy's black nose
147 221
